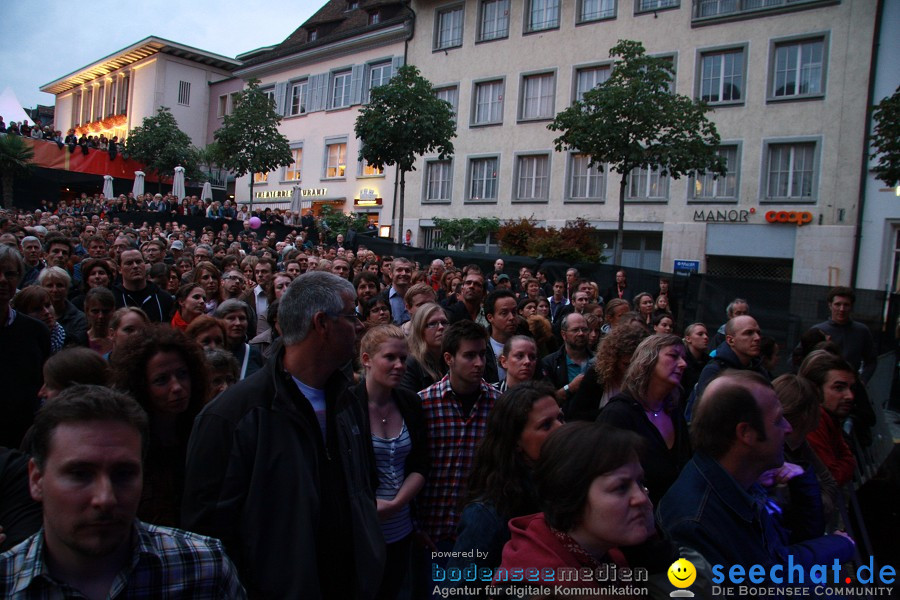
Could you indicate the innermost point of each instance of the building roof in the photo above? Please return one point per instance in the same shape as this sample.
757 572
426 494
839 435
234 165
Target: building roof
138 51
331 23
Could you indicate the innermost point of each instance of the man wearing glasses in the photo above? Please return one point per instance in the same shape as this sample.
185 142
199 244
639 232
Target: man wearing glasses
279 467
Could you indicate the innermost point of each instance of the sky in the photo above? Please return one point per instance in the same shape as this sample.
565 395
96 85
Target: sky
43 41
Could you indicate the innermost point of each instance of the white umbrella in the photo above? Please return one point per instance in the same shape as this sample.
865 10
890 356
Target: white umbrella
295 199
138 189
206 194
107 186
178 184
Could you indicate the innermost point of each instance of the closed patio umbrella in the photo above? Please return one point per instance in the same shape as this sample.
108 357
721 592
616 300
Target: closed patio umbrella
138 189
206 194
178 184
107 186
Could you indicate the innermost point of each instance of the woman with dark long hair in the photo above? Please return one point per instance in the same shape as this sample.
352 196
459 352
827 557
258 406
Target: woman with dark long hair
500 487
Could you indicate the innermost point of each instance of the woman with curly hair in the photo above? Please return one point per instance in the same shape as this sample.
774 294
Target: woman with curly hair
425 364
649 406
500 487
165 372
604 376
95 272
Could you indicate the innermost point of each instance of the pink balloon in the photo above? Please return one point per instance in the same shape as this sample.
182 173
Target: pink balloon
255 222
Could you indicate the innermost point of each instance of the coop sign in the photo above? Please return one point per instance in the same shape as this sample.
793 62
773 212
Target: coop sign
798 218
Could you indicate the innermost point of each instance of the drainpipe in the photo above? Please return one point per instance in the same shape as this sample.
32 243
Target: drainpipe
864 168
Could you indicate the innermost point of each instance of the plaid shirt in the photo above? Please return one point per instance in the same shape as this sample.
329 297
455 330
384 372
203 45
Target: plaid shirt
452 439
167 563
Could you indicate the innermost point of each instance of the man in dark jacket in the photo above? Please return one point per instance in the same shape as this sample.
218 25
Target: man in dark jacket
280 466
136 290
565 368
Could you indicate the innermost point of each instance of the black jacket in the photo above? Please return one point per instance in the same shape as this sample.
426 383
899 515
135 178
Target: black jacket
296 516
152 300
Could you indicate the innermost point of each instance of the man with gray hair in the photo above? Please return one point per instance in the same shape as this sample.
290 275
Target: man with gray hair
280 467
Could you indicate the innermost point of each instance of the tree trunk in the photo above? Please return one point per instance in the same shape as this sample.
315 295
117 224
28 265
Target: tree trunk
251 193
620 232
400 215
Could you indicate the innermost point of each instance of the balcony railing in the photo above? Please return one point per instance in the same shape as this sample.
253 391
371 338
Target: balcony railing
710 9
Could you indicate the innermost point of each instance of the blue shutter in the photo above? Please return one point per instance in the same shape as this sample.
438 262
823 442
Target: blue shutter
317 89
396 64
357 77
280 97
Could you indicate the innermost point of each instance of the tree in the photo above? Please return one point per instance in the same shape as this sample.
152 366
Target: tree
161 146
886 139
462 233
403 120
333 221
249 141
15 161
633 120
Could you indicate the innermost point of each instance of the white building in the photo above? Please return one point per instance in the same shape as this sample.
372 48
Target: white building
787 80
113 95
319 77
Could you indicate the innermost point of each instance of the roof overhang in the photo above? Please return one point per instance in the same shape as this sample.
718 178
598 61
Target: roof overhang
134 53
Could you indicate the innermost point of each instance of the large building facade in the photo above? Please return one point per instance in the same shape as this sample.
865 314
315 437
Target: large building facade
319 77
113 95
787 81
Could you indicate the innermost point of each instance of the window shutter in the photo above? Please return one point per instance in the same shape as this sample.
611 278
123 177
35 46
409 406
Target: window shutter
317 88
357 77
281 97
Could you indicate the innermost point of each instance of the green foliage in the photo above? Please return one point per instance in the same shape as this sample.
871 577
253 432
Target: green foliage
886 139
403 120
463 233
633 120
15 161
576 242
332 222
161 146
249 141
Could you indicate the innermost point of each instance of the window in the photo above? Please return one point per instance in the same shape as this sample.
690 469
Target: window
123 90
374 17
111 97
448 28
449 94
537 96
76 108
184 93
234 97
367 170
270 94
335 159
340 89
711 187
352 5
533 177
483 178
379 74
260 178
437 181
494 20
799 69
791 171
488 102
292 172
648 184
222 106
585 183
722 76
648 5
299 97
313 35
595 10
588 78
541 14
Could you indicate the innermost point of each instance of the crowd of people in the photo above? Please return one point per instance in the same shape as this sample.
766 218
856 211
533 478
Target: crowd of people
329 423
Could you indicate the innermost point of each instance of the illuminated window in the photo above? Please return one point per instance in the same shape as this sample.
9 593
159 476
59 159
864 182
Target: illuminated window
712 187
292 173
648 184
335 160
260 177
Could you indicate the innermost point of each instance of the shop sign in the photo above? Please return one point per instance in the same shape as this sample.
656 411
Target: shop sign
723 216
368 197
686 267
304 193
798 218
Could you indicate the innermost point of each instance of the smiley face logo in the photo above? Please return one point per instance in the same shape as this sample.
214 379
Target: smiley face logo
682 573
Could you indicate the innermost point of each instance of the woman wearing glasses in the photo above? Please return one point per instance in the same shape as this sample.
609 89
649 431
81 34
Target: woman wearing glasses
425 364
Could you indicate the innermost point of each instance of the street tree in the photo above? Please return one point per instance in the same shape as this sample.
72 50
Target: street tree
403 120
161 146
249 141
886 139
461 234
633 120
15 161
